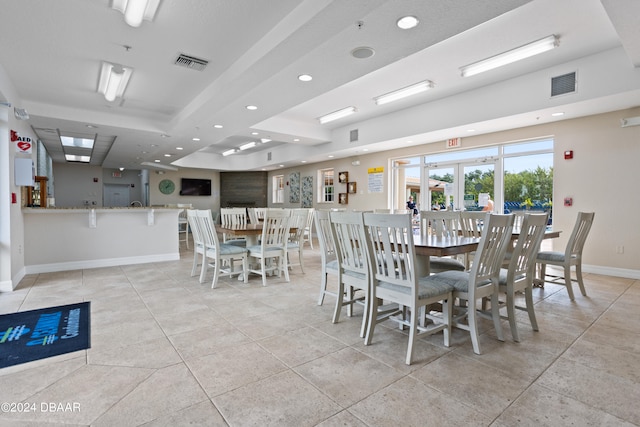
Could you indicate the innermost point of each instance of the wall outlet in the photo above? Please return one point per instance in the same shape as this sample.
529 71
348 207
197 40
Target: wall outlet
619 249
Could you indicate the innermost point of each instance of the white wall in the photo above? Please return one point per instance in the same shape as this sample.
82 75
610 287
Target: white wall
601 177
199 202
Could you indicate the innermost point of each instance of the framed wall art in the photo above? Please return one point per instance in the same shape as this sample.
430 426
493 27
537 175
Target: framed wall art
351 188
307 191
343 177
343 198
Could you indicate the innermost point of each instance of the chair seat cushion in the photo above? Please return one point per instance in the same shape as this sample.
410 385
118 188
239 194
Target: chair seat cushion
457 280
227 249
425 289
333 265
236 242
269 250
550 256
502 280
355 274
436 263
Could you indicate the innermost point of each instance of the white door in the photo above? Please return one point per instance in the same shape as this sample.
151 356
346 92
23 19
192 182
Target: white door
116 195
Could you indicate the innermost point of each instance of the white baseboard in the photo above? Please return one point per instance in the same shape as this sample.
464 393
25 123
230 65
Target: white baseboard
610 271
97 263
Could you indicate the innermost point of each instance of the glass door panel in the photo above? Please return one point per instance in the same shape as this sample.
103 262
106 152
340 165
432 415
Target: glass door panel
442 187
479 186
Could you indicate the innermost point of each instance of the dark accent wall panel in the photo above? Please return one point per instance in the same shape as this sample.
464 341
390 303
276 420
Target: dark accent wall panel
243 189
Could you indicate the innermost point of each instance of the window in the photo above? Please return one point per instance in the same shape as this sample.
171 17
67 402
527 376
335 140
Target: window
515 175
278 189
326 192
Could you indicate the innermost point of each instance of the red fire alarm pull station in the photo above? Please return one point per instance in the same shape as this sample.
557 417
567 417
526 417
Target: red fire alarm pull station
568 154
568 201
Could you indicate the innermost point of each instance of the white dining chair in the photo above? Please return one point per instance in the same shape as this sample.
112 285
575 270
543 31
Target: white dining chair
355 275
307 236
471 223
295 243
328 259
183 223
390 244
198 241
233 217
572 256
273 245
473 286
442 224
518 276
218 255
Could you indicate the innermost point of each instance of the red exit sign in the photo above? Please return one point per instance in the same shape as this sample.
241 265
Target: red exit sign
453 143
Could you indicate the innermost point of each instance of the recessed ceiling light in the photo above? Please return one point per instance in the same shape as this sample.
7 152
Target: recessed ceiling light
471 130
255 133
409 142
281 166
179 148
330 156
365 149
251 107
218 126
157 160
195 139
167 155
228 152
92 126
407 22
305 78
265 140
296 139
557 114
303 161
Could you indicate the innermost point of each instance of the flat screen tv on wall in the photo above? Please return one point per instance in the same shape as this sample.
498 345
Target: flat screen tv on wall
195 187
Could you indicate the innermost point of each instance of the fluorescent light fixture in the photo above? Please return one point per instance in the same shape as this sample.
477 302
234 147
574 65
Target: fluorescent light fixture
631 121
113 80
74 158
229 152
69 141
404 92
135 11
247 145
337 115
513 55
265 140
159 166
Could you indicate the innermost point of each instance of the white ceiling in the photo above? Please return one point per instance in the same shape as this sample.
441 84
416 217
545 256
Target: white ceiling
52 53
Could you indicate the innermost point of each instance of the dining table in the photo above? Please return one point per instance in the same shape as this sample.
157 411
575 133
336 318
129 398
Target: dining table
428 245
251 232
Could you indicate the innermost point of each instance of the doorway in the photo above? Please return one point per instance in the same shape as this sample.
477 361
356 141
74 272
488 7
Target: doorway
116 195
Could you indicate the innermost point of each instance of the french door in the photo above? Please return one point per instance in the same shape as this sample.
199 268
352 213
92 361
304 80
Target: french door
463 185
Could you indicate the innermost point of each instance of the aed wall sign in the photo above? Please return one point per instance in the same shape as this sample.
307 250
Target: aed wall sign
23 143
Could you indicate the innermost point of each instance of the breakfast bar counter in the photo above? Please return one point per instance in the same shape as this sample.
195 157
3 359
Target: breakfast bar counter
59 239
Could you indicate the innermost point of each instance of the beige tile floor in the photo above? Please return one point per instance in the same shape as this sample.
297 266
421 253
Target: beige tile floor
168 351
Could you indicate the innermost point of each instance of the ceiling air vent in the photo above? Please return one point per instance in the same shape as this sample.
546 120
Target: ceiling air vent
191 62
269 156
563 84
353 135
